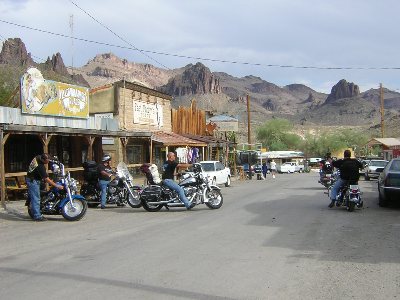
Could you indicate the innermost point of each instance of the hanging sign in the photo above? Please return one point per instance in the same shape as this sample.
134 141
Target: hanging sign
46 97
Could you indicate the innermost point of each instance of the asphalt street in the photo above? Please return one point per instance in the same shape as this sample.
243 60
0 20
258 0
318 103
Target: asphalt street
272 239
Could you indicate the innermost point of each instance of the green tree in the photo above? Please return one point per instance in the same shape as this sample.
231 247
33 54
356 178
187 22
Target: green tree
275 135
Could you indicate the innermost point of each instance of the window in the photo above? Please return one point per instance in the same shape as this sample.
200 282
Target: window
134 154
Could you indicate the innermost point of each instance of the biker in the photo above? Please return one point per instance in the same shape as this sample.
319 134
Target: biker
37 173
105 172
325 166
349 172
168 180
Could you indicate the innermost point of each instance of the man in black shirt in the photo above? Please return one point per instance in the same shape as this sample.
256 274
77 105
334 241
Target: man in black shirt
168 180
105 172
36 174
349 172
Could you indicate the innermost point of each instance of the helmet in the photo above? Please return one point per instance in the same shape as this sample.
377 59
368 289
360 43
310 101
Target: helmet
106 157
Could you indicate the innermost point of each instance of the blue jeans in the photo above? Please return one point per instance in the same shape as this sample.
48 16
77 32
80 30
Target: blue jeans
103 187
336 187
34 196
177 188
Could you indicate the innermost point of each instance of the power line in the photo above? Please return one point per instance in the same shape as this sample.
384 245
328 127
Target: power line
202 58
118 36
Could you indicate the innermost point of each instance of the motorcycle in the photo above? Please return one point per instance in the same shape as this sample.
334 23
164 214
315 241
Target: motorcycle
196 187
120 190
350 196
65 202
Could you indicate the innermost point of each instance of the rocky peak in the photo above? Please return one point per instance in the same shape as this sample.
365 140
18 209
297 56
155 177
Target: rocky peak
196 79
14 53
56 64
343 89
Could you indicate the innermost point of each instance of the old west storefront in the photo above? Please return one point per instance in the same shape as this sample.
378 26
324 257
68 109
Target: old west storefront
136 107
54 118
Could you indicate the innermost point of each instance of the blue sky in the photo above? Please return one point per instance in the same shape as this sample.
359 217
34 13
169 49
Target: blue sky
336 33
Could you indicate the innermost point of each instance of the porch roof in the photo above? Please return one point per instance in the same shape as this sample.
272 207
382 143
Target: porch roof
389 142
174 139
210 140
30 129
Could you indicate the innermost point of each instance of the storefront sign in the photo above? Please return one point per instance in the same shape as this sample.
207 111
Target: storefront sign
227 126
46 97
148 113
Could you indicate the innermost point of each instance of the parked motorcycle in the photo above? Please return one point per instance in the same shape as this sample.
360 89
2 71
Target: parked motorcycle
197 190
120 190
65 202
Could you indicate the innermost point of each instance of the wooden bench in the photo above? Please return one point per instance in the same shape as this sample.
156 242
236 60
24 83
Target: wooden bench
15 185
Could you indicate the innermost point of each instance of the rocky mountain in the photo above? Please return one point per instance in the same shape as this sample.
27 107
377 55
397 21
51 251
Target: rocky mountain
217 92
107 68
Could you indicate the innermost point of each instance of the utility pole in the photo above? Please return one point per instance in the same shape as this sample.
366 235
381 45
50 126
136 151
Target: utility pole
248 122
71 26
382 112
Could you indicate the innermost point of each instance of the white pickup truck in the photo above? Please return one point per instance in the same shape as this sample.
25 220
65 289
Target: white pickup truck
290 167
217 172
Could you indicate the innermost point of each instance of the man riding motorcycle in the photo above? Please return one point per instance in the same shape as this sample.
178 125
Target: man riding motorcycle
349 172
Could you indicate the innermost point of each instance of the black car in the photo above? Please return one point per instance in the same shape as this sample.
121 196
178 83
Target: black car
389 183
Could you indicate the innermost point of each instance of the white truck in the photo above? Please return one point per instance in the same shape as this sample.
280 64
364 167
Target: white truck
290 167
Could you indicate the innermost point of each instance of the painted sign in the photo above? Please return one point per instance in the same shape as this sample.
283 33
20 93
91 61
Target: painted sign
148 113
46 97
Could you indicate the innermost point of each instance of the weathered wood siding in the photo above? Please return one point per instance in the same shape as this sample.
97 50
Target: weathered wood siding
189 120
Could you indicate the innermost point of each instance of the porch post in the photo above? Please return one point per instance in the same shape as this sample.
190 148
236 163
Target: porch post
151 150
124 142
90 140
3 140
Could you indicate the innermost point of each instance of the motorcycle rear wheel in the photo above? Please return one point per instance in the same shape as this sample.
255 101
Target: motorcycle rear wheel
215 198
74 213
151 208
350 206
133 202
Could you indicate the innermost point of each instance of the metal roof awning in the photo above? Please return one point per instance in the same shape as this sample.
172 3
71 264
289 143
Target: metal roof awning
389 142
174 139
209 140
30 129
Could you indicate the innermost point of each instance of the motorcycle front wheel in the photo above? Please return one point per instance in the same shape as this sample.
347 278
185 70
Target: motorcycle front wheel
75 212
133 202
215 198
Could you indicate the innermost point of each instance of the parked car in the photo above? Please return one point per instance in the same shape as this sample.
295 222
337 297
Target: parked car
217 172
290 167
373 168
287 167
389 183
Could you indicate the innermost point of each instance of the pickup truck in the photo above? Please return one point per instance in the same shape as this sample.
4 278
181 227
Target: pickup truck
290 167
217 172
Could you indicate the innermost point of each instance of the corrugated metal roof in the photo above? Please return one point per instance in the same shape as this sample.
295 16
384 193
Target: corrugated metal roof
385 141
210 140
174 139
222 118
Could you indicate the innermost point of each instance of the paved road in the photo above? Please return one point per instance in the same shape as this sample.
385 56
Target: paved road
273 239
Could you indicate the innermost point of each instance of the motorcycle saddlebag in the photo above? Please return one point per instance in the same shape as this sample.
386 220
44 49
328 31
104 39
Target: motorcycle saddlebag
151 193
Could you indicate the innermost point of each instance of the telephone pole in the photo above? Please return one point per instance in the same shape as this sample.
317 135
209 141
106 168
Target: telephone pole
71 26
382 112
248 122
